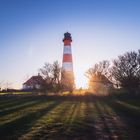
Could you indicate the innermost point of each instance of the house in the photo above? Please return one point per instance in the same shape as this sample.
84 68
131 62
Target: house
100 84
34 82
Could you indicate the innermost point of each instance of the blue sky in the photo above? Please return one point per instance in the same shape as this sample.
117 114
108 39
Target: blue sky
31 33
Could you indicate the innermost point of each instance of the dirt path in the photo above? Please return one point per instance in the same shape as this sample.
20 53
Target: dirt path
109 125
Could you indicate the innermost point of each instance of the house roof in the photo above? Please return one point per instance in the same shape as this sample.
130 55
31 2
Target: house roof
34 80
101 79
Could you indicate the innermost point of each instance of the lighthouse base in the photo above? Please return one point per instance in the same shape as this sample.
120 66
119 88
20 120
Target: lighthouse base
67 80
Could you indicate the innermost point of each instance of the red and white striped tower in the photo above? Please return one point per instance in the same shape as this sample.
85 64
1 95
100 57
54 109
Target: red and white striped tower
67 64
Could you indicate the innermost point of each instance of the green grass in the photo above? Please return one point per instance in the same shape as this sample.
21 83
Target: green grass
21 92
69 118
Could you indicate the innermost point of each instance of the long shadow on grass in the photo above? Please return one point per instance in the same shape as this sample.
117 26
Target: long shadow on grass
5 101
19 107
9 103
14 129
55 128
13 102
71 125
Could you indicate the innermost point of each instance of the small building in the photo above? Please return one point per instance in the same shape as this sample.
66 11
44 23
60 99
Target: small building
100 84
35 82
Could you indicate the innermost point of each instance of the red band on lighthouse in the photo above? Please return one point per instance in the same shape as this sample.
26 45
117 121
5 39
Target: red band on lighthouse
67 58
67 42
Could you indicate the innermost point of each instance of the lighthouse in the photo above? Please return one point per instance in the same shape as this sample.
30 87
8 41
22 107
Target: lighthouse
67 62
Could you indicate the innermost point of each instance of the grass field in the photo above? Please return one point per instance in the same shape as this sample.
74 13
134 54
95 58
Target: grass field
69 118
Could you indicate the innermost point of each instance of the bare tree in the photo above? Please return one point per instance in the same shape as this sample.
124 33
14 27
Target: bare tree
99 76
51 74
1 85
126 70
7 85
101 68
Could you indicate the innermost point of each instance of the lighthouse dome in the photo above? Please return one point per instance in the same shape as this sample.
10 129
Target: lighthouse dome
67 36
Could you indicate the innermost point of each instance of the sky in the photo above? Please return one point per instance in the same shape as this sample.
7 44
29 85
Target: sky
31 33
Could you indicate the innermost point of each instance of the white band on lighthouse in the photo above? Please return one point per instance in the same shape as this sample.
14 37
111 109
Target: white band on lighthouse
67 66
67 50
